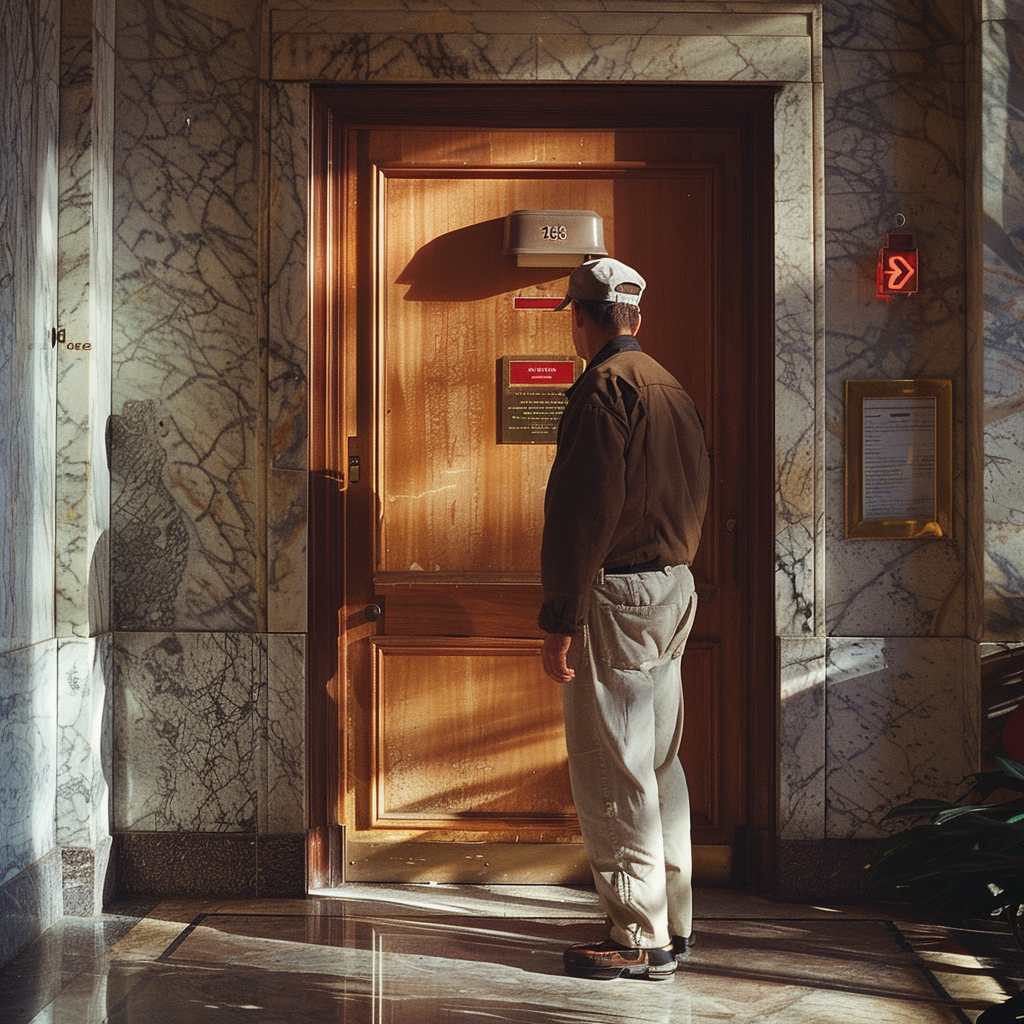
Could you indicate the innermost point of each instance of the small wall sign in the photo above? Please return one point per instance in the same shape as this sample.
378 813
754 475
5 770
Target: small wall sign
896 272
532 390
899 459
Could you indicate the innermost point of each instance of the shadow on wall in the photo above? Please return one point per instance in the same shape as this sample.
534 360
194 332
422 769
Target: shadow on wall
435 274
901 722
149 548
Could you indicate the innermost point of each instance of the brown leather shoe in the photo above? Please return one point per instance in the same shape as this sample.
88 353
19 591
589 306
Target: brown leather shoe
610 960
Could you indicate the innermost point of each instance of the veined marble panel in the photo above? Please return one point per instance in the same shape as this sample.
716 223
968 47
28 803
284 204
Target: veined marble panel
572 45
872 25
74 359
902 722
1003 187
187 731
283 791
104 15
28 271
802 738
496 18
894 124
663 58
166 31
100 329
28 752
188 367
893 588
287 487
436 57
797 365
894 144
84 702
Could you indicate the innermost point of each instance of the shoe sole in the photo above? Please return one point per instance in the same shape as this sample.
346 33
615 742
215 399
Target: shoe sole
640 972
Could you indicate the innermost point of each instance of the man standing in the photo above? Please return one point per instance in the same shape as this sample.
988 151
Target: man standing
622 519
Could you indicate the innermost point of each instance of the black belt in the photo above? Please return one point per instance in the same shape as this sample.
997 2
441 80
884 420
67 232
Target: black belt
619 570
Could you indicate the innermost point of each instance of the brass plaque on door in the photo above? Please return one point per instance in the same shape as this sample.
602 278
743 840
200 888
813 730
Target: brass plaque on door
533 396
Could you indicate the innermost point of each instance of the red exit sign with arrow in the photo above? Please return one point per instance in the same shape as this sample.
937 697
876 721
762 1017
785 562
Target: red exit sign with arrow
897 267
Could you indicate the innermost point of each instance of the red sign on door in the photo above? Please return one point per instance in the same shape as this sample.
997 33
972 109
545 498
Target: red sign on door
896 273
536 301
544 371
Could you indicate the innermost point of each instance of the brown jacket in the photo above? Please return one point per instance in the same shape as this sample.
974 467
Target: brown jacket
629 483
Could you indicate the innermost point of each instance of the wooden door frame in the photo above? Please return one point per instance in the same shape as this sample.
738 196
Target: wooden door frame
746 109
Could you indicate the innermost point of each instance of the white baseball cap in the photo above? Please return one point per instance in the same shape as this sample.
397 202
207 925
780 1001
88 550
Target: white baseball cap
604 280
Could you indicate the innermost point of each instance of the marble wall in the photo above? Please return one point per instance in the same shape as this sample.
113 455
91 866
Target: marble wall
189 362
208 434
894 144
885 707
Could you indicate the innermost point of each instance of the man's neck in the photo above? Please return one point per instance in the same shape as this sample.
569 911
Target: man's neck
619 343
595 342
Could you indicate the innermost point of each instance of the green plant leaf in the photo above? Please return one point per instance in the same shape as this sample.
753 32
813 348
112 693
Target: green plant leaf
986 783
919 807
993 812
1013 768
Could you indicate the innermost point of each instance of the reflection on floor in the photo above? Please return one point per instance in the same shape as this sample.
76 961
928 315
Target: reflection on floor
421 954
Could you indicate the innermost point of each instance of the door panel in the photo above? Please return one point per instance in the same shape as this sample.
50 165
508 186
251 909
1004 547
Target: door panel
454 732
495 750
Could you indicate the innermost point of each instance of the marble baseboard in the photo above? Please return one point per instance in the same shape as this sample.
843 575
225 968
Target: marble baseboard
165 864
802 732
30 902
826 869
86 879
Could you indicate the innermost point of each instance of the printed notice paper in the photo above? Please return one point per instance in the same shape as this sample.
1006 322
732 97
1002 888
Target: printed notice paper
899 458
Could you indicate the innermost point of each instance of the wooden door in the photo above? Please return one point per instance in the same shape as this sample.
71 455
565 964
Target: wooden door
455 766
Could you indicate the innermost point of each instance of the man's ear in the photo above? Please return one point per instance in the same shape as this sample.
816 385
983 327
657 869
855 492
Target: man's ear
640 320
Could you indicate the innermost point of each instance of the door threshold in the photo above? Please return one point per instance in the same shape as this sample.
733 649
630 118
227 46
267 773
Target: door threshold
499 863
533 902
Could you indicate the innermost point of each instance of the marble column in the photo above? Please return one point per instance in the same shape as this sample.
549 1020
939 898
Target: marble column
1003 233
82 594
30 891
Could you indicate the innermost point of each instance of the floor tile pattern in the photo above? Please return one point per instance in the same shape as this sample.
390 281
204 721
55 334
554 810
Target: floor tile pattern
444 954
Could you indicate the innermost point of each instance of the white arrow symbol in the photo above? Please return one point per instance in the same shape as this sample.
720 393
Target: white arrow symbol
900 272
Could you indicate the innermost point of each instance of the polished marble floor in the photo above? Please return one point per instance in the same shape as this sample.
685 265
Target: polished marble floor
425 954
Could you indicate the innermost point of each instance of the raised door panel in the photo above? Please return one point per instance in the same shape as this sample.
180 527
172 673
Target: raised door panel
486 747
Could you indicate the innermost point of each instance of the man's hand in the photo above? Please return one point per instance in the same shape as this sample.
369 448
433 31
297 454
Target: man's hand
553 654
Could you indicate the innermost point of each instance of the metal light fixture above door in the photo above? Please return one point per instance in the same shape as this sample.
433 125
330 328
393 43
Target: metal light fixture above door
553 238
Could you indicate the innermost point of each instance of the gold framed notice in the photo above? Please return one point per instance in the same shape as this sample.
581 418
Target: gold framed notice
899 459
532 396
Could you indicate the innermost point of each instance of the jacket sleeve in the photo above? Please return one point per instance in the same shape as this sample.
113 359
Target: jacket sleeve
582 508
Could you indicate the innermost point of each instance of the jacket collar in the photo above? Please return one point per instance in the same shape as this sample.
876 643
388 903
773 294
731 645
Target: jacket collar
622 343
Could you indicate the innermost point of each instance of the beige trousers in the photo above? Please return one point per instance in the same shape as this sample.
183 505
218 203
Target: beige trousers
623 727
